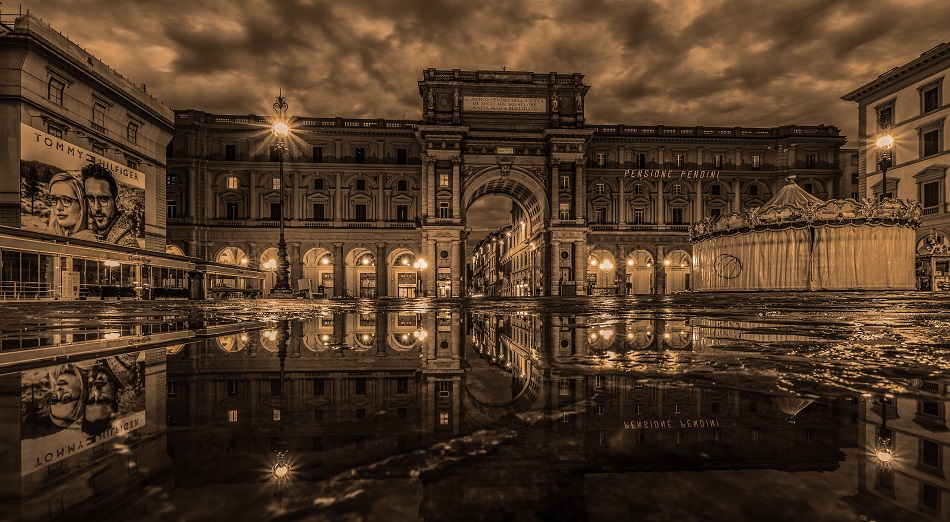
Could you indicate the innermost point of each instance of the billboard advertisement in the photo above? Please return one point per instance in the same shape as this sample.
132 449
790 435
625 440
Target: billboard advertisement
70 408
66 190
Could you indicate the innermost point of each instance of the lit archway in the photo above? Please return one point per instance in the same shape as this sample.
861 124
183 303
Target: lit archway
361 273
403 272
677 265
268 262
601 273
231 256
318 269
640 271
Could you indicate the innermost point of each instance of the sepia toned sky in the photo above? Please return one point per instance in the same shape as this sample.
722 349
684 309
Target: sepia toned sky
664 62
690 62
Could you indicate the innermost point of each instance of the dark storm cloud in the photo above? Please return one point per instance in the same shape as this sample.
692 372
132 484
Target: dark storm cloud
734 62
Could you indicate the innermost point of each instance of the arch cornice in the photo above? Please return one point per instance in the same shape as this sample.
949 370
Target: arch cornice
507 180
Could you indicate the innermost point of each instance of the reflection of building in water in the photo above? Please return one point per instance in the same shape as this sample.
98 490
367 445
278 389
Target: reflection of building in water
54 471
355 388
904 465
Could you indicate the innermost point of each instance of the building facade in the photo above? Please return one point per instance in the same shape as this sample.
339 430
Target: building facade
909 103
601 208
82 152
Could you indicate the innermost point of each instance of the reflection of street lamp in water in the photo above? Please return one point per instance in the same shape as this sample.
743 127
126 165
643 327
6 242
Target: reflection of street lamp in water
883 452
420 265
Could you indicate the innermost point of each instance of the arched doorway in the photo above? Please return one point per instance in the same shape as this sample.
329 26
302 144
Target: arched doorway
677 265
601 273
515 256
404 273
361 273
318 269
640 272
232 256
268 262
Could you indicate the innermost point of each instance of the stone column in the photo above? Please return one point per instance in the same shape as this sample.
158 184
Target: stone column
456 188
580 267
252 202
455 254
698 211
622 211
580 192
660 203
555 188
193 194
382 271
339 270
338 203
296 265
735 196
424 186
554 274
659 276
380 206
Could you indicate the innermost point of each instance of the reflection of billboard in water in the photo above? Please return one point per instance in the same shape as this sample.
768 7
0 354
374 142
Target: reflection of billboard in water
69 408
66 190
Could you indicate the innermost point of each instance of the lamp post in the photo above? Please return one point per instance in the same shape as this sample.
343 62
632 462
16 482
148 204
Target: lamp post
883 453
282 286
884 145
420 265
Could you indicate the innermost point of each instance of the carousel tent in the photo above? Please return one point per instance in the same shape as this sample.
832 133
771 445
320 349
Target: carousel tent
798 242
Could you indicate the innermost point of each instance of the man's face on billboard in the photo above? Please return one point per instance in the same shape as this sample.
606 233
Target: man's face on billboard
101 203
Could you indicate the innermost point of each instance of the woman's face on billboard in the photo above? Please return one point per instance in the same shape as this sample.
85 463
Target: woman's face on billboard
66 205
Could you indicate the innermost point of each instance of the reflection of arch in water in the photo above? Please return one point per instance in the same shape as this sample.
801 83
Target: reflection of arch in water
525 409
602 338
677 336
639 335
313 338
232 343
172 350
361 341
269 340
402 342
791 406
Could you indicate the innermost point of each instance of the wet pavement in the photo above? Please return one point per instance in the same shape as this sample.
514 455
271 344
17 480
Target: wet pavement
683 407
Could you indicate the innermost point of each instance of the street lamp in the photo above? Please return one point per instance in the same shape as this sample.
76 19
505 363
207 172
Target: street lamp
420 265
883 452
282 286
884 145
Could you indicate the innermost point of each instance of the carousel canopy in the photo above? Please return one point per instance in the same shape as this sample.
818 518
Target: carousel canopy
793 207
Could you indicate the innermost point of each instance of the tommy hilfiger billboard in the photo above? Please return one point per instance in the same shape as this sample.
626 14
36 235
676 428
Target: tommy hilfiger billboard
66 190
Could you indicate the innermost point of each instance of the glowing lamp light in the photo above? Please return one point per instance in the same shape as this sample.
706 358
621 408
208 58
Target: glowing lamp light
630 262
666 262
593 262
885 142
325 338
884 456
271 335
281 130
325 261
243 260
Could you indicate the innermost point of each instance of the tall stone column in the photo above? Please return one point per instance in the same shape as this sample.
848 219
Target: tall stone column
622 210
338 203
456 188
698 211
555 188
660 203
580 192
424 186
554 273
252 202
339 270
660 270
382 271
735 196
380 205
431 181
580 267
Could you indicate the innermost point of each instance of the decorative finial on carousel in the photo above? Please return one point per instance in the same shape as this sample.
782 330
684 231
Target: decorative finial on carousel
790 179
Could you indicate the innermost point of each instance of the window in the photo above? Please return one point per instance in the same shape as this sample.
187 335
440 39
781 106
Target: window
807 187
132 163
443 180
599 188
885 116
601 159
54 91
170 179
99 117
641 160
445 388
930 98
232 415
402 213
361 184
132 132
275 388
677 190
638 216
854 160
172 388
319 387
679 160
275 154
232 387
717 161
931 194
171 209
360 212
931 142
97 149
756 162
638 409
402 156
317 155
929 497
564 211
564 387
753 190
275 183
54 130
231 211
444 210
677 215
443 418
402 385
599 382
811 160
230 152
360 154
402 185
275 213
677 408
232 182
638 189
715 212
565 182
600 215
319 184
929 453
319 212
360 413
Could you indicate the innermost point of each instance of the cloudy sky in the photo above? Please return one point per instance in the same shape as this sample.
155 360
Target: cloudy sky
688 62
